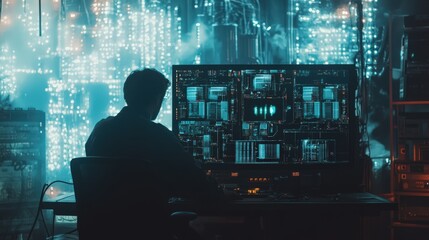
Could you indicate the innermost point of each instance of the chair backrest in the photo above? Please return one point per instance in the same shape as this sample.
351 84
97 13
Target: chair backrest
119 198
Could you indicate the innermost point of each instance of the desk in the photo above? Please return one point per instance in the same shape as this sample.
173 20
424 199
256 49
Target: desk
66 204
339 216
363 201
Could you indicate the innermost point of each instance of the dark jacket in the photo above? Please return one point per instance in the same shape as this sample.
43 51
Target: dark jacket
128 134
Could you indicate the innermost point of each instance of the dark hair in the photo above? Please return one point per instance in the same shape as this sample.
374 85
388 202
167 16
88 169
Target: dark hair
144 86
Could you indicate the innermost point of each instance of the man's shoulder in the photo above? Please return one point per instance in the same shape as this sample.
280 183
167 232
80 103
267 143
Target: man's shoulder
160 126
162 130
105 122
107 119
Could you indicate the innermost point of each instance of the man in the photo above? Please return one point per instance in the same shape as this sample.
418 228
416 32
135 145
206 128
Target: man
133 133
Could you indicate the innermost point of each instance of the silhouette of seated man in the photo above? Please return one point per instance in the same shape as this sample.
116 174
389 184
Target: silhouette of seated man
133 133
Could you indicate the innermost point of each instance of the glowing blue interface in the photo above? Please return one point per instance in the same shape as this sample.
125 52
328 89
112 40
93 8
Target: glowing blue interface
250 114
263 109
72 63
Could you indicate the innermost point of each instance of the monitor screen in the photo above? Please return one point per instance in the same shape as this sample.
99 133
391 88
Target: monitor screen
266 114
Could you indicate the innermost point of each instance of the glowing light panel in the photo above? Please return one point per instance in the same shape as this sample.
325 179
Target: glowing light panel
86 50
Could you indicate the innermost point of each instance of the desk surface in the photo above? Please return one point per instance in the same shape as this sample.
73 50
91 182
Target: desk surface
362 201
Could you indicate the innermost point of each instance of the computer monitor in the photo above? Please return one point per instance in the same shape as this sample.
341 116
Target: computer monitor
267 116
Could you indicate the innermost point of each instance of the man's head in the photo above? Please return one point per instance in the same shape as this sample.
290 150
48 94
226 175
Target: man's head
145 89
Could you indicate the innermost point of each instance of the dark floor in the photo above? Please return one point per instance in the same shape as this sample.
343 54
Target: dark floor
273 228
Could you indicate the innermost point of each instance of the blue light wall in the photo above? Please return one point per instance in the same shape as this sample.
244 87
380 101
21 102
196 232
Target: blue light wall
71 60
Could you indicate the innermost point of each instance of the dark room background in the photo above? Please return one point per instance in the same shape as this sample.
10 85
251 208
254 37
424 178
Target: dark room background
69 58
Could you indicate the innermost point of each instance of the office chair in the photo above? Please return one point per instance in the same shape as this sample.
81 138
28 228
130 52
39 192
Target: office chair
122 198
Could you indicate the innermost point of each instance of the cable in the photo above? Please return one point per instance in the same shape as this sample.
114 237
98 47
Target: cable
63 11
361 99
86 12
38 211
44 223
40 18
39 207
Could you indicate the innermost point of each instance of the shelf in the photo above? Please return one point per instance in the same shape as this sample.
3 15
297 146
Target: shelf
413 194
414 138
410 225
407 130
410 103
396 161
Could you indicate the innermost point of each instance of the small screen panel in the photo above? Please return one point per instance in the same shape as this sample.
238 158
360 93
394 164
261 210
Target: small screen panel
266 109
